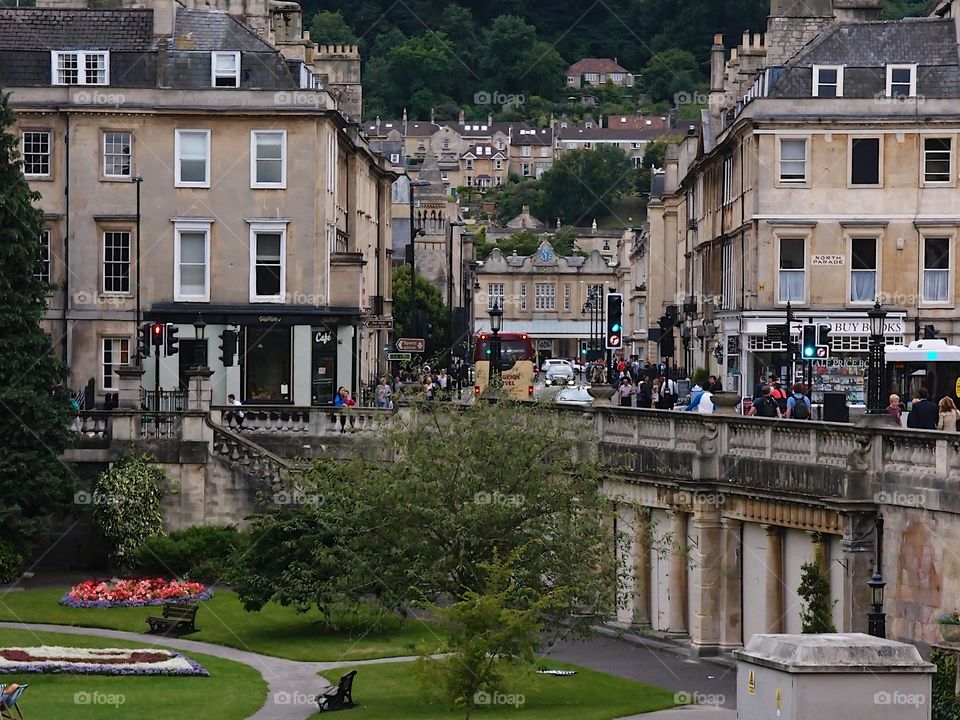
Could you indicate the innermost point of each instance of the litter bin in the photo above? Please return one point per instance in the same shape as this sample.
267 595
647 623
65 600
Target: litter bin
835 407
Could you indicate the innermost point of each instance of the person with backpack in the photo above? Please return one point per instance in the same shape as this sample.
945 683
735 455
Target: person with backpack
668 393
798 404
765 405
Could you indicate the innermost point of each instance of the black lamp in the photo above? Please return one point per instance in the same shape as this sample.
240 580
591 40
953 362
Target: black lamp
496 322
877 316
199 326
876 620
875 370
496 319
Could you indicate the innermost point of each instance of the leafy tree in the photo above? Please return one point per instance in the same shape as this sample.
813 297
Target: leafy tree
517 192
582 183
329 28
127 505
493 632
417 74
524 243
669 73
817 614
463 488
35 410
565 243
433 319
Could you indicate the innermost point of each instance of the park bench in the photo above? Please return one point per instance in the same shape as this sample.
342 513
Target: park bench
178 618
9 700
339 697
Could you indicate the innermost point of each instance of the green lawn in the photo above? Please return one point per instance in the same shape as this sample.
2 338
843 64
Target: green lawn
389 691
232 692
275 630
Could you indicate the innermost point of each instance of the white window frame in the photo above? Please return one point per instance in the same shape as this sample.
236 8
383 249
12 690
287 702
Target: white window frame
951 179
523 296
728 191
880 142
806 269
103 263
817 83
191 227
545 297
82 57
495 290
567 297
122 345
526 151
49 153
936 233
790 182
46 257
876 270
272 228
213 70
176 159
395 158
912 67
103 146
254 183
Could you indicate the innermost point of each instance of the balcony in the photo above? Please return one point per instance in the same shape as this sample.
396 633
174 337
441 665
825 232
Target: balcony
346 278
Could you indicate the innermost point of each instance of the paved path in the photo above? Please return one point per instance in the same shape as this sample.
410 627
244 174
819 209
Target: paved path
291 685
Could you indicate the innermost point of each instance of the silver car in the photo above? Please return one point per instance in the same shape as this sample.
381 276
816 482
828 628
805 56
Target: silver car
558 372
574 396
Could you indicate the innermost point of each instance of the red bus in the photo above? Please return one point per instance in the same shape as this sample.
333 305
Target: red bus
517 363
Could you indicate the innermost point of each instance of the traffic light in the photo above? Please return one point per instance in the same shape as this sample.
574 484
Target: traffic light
172 341
823 335
143 340
156 334
667 347
808 349
614 321
228 347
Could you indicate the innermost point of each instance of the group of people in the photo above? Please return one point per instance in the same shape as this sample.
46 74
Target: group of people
925 414
642 385
771 400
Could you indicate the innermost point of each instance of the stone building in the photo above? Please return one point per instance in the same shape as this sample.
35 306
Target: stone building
261 208
597 71
825 176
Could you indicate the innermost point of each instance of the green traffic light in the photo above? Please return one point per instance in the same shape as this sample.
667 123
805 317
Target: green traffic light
616 327
808 351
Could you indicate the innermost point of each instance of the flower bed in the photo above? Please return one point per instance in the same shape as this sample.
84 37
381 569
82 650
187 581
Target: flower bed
134 593
97 661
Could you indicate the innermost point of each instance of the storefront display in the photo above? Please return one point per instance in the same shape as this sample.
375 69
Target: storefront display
840 375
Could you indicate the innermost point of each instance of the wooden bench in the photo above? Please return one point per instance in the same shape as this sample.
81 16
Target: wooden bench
339 697
178 618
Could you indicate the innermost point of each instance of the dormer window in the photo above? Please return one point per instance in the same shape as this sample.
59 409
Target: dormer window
828 81
901 80
76 67
225 69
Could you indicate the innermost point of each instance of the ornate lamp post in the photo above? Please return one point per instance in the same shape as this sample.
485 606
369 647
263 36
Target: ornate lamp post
875 369
199 326
496 322
876 620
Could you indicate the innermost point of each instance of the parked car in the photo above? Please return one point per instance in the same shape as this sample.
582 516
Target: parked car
574 396
559 372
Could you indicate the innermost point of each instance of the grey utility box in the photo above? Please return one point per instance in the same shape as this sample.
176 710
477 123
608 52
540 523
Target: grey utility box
838 676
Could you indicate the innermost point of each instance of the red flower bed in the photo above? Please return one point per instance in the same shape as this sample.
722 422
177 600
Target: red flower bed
127 593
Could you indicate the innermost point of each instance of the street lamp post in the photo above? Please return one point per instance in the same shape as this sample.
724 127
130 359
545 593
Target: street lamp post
876 619
875 368
199 326
138 180
496 320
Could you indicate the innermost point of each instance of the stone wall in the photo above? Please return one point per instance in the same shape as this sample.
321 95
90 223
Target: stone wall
786 36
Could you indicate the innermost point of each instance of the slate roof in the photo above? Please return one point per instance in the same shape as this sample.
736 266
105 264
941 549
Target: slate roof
75 29
865 49
595 65
210 30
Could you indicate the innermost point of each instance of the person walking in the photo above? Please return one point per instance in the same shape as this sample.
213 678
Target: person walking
383 394
625 391
235 415
668 393
644 393
344 402
758 388
948 415
894 410
765 405
924 415
798 404
655 395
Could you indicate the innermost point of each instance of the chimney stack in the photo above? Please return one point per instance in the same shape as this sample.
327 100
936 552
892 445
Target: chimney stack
717 64
164 14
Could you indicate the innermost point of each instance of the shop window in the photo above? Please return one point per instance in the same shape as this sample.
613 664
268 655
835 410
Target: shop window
266 364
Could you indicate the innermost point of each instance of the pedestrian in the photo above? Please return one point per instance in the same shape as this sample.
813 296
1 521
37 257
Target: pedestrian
894 410
625 391
924 414
383 394
758 388
948 415
779 394
429 389
701 402
798 404
443 383
235 415
655 394
668 393
644 393
712 385
765 405
344 402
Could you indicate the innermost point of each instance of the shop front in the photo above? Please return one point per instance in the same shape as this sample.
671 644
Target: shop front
844 371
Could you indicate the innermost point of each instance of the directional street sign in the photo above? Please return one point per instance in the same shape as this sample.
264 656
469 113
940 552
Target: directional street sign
417 345
399 357
378 324
777 333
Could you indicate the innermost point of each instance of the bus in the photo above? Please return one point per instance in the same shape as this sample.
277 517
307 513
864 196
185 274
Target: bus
517 364
930 364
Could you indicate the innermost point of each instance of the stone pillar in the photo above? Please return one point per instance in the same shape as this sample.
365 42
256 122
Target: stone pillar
200 392
131 380
677 592
731 629
707 571
774 585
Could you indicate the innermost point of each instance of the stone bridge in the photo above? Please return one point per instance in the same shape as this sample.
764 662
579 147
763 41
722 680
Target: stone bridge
720 511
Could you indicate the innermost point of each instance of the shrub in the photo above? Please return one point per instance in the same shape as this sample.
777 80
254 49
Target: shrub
11 562
202 553
127 508
817 614
946 706
700 376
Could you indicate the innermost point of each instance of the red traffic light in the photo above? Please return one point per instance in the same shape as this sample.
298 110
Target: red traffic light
156 332
158 329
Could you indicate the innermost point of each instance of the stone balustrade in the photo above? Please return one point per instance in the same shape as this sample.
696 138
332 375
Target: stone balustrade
287 420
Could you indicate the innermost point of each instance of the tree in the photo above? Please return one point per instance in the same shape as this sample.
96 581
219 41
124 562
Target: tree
433 319
35 411
459 489
329 28
417 74
127 505
817 613
582 183
517 192
670 73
